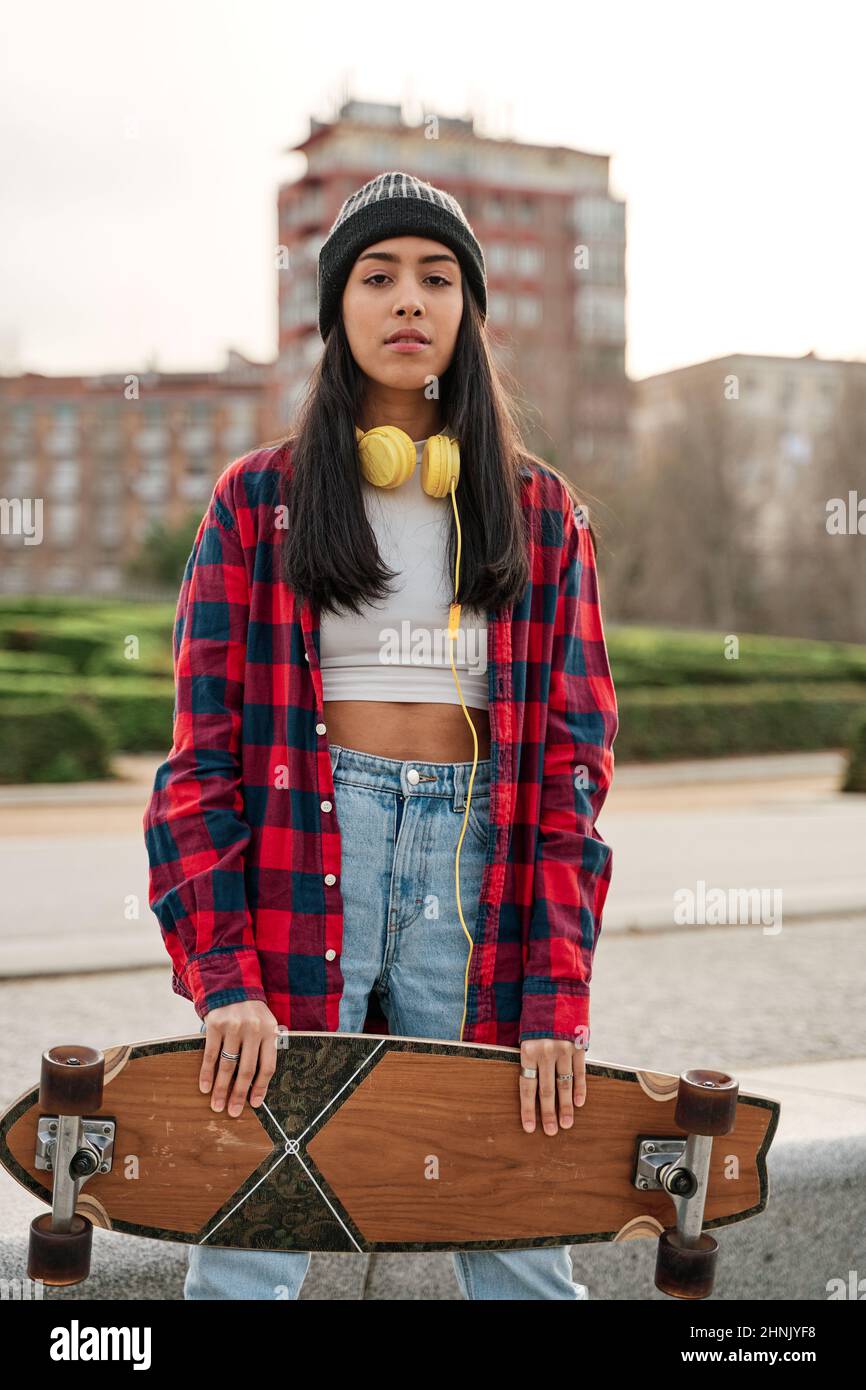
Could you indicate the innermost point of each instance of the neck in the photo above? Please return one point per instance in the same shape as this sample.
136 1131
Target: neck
408 410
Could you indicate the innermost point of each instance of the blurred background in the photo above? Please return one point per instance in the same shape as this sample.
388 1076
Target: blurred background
668 201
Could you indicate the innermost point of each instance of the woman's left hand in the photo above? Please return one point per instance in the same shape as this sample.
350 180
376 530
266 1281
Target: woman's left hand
552 1058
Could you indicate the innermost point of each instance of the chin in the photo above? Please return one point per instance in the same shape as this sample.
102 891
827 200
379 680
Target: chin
409 374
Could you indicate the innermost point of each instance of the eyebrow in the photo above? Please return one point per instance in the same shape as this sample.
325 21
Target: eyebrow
390 256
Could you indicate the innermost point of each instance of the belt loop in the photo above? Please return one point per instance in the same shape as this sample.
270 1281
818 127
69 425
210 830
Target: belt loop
459 788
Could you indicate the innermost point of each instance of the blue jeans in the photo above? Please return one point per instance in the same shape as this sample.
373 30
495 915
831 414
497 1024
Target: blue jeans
399 827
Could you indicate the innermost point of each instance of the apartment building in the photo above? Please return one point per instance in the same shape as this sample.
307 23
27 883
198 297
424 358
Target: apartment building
771 418
97 459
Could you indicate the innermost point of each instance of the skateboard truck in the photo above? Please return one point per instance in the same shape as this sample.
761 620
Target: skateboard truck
73 1148
706 1106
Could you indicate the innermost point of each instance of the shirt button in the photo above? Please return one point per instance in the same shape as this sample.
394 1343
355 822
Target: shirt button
306 656
330 878
320 728
413 775
330 955
326 806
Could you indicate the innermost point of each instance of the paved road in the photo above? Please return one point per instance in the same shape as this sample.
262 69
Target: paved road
74 869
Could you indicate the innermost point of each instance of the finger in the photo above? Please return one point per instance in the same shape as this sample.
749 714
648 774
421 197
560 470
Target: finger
564 1091
528 1092
580 1076
547 1091
267 1067
246 1069
210 1057
226 1065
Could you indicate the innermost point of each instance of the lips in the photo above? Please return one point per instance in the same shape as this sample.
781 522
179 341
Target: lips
407 336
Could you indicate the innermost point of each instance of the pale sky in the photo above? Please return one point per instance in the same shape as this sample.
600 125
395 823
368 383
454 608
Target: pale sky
141 148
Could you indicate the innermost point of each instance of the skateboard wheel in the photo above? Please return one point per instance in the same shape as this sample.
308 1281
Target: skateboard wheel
685 1271
706 1102
59 1257
71 1080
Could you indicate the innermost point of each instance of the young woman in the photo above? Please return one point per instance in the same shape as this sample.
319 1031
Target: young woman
303 832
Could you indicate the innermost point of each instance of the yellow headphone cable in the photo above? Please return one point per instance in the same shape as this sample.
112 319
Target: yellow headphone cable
387 459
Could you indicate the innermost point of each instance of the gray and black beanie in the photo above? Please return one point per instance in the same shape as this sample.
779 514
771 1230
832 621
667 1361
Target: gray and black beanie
394 204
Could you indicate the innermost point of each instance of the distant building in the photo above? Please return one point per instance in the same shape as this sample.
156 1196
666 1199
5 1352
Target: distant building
778 411
107 455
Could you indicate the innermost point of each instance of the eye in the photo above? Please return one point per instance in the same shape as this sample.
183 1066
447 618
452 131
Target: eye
381 274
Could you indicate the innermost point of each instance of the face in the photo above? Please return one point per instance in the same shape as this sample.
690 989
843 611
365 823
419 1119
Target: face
401 283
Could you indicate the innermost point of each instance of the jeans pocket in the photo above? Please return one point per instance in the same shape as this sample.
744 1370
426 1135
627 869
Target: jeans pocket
478 820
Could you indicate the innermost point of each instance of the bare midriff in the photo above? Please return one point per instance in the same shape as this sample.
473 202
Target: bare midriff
429 733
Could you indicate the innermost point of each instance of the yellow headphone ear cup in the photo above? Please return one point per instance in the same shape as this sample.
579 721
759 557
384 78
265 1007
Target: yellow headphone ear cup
387 455
440 463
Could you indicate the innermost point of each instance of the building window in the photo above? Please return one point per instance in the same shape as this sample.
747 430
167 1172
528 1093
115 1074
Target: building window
597 217
599 313
65 478
528 310
63 522
62 577
530 259
20 478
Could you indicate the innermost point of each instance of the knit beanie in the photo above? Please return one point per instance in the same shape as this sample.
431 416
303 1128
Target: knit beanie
394 204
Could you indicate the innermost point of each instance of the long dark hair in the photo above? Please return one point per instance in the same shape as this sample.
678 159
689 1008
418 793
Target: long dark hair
329 552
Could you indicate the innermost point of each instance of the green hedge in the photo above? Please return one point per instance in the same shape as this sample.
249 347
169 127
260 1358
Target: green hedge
135 713
711 722
53 741
93 648
90 634
78 644
641 656
33 663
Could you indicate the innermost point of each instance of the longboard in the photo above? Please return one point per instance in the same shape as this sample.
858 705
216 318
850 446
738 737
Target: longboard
370 1143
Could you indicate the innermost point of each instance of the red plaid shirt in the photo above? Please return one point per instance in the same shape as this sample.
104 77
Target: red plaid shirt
245 865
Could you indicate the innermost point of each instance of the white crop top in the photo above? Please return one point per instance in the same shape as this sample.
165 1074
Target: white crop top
399 648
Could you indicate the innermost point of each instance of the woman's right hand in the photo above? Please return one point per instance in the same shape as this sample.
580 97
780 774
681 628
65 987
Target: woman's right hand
249 1029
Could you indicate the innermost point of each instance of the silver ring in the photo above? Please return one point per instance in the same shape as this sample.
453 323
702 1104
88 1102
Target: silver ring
232 1056
565 1076
530 1073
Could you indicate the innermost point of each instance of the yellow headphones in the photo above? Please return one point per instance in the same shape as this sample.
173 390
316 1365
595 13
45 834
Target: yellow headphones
387 460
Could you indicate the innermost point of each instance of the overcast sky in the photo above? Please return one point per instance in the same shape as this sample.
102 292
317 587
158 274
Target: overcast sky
141 148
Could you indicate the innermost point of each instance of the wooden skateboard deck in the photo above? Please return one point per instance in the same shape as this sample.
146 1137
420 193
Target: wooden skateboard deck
369 1143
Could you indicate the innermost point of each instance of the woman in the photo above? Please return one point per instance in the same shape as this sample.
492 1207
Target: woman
303 831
